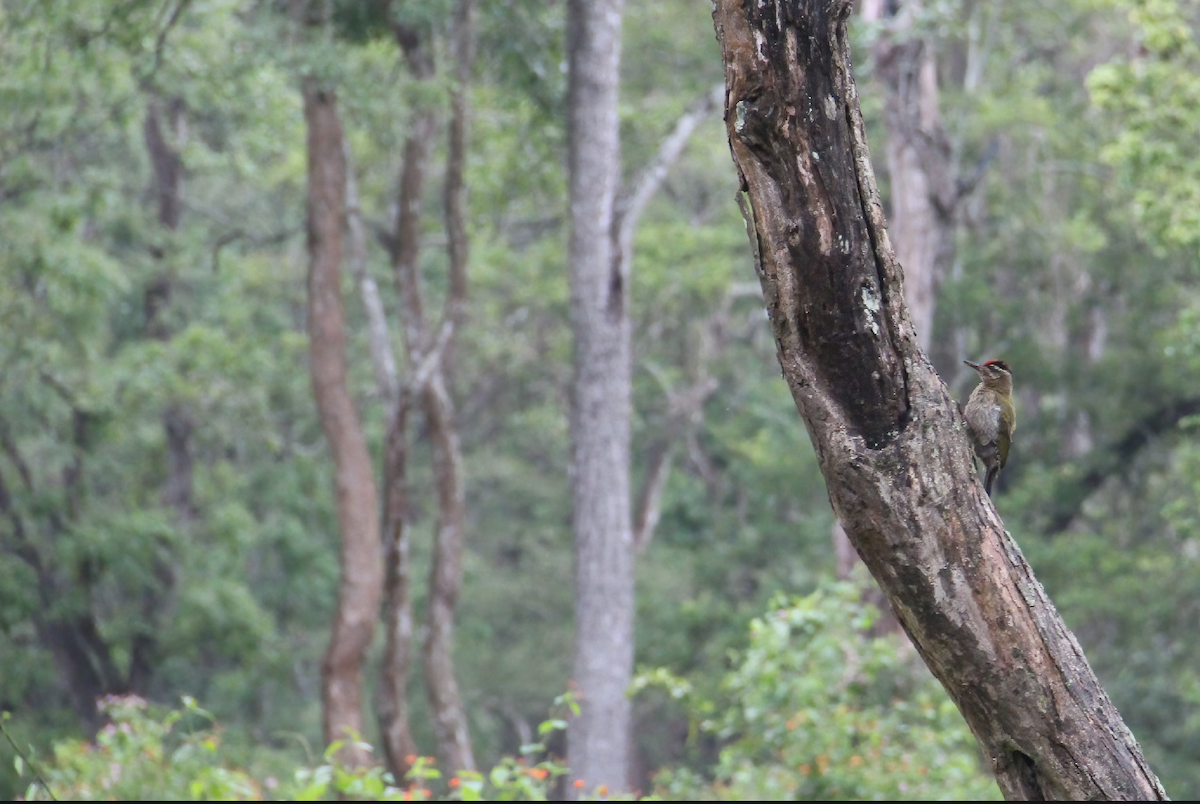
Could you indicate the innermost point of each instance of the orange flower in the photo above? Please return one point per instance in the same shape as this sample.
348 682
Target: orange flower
454 782
407 796
579 782
539 773
603 790
805 769
410 759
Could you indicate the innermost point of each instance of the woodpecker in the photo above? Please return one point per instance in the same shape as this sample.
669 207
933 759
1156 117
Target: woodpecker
991 417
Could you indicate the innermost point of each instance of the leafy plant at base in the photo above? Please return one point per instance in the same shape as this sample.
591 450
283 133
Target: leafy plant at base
820 709
139 756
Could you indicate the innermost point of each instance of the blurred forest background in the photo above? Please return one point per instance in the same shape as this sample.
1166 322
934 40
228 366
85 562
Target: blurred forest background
166 489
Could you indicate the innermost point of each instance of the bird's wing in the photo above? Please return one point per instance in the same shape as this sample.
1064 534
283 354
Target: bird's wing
1008 423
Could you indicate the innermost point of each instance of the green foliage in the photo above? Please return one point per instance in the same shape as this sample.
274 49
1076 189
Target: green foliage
138 757
1076 262
178 756
1153 103
817 708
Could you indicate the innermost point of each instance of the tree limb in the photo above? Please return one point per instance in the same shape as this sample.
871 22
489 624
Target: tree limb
383 360
628 209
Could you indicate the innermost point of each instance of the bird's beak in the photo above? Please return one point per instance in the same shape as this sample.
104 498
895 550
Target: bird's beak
972 365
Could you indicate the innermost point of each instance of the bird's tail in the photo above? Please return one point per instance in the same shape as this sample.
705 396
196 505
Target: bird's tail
990 478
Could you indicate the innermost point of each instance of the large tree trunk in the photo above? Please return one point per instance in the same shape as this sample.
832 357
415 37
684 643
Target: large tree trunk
354 482
599 738
919 160
889 438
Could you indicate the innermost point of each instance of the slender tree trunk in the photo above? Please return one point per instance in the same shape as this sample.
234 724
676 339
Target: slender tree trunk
427 380
354 483
178 425
920 161
455 193
392 695
445 580
398 743
398 650
445 575
599 738
889 439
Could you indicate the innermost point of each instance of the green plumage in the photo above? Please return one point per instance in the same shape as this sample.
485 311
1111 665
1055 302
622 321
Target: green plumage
1008 423
991 417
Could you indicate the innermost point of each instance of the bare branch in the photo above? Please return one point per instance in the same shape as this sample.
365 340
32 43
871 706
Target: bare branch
629 208
383 360
645 518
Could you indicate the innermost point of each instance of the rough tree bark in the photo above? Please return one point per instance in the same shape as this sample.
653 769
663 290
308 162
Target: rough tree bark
919 159
598 739
889 438
361 584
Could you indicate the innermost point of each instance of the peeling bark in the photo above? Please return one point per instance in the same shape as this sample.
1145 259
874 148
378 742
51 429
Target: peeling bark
888 436
361 583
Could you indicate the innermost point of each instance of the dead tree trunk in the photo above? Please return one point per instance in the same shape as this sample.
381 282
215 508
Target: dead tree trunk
924 197
889 438
354 482
598 739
